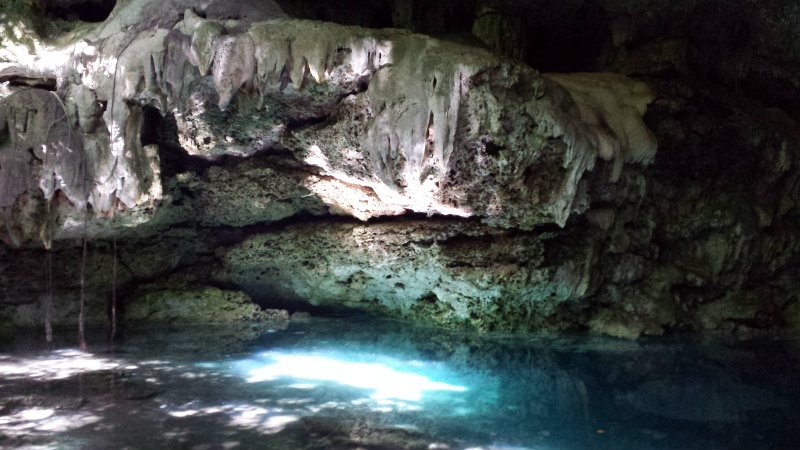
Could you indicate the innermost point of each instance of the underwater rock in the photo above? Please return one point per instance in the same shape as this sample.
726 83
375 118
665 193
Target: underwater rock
357 432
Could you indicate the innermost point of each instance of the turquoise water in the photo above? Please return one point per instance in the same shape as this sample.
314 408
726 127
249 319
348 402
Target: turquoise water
379 384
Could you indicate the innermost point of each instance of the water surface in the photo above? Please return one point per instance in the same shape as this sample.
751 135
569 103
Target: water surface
366 383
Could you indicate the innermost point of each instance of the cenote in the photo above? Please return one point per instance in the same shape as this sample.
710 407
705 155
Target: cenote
400 224
361 382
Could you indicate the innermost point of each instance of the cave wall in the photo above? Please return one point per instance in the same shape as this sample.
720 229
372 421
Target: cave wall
340 164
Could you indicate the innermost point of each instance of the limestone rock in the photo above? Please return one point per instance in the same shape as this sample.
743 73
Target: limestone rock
613 106
250 194
209 305
415 123
447 272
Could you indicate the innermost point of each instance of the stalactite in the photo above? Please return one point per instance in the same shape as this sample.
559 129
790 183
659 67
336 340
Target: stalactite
82 313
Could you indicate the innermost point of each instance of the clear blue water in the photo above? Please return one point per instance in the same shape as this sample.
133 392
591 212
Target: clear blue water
379 384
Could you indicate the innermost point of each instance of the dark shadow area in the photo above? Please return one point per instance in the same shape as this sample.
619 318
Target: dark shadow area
565 38
365 13
163 131
84 10
48 84
244 11
267 301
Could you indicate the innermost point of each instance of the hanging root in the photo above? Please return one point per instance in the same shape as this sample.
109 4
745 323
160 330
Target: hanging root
114 292
82 313
48 306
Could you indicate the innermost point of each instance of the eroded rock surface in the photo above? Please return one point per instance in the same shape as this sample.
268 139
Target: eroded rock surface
417 124
208 305
448 272
313 163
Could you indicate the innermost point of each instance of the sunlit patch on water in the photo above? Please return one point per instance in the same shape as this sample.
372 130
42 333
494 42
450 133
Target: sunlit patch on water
44 421
56 365
245 416
393 380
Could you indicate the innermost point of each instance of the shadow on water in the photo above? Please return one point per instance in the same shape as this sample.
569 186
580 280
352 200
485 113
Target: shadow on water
366 383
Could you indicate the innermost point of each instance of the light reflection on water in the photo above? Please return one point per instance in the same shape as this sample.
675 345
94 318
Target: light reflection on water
384 381
327 383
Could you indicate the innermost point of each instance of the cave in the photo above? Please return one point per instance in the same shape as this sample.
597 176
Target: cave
399 224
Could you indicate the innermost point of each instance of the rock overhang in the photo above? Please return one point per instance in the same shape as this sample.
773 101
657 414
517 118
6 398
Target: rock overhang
389 122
